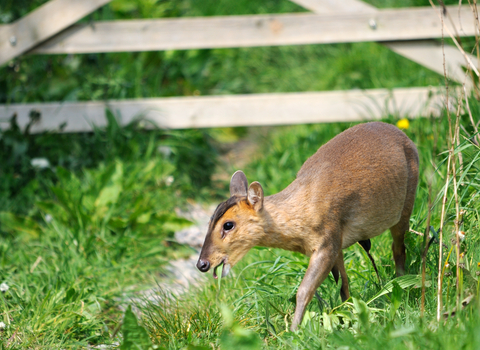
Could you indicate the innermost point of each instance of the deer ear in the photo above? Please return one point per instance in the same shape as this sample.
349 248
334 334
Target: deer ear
255 195
238 184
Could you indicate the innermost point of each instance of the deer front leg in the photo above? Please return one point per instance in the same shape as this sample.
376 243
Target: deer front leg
339 270
321 263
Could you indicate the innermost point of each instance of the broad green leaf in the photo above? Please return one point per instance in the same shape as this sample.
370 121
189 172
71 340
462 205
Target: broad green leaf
361 309
144 218
54 209
227 315
402 281
396 298
309 316
116 223
108 195
12 222
112 189
135 337
235 336
240 338
327 322
397 292
64 199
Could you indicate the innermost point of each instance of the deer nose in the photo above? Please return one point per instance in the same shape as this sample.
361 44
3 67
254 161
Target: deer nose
203 265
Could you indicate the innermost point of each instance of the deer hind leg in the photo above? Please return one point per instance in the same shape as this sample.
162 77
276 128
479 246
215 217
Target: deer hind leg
338 270
398 231
321 263
398 245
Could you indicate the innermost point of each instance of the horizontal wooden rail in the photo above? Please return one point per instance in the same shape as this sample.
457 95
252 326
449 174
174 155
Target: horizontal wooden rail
255 30
235 110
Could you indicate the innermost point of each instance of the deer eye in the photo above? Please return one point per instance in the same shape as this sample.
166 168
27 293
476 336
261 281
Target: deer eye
228 226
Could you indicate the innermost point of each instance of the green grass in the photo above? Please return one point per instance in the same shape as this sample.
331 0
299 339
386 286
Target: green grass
95 236
97 225
101 234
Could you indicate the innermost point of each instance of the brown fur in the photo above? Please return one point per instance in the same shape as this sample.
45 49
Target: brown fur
356 186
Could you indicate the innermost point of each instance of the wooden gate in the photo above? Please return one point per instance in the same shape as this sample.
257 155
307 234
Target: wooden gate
51 29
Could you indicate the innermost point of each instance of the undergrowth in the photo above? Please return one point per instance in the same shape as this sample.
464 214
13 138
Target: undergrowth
85 221
29 161
99 232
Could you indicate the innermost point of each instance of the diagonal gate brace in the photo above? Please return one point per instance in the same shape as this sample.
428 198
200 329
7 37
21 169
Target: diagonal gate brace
39 25
427 53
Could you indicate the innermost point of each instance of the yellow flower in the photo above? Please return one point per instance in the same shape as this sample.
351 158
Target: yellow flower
403 123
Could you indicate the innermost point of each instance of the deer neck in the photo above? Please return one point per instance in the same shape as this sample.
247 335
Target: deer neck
284 222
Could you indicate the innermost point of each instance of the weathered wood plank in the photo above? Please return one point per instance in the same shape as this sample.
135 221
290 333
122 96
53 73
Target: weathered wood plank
236 110
41 24
426 52
430 54
252 30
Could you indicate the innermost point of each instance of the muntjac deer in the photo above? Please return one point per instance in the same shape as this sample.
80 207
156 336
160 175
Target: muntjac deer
356 186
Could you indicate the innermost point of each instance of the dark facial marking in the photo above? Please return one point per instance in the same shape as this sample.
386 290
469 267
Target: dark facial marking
219 212
222 209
